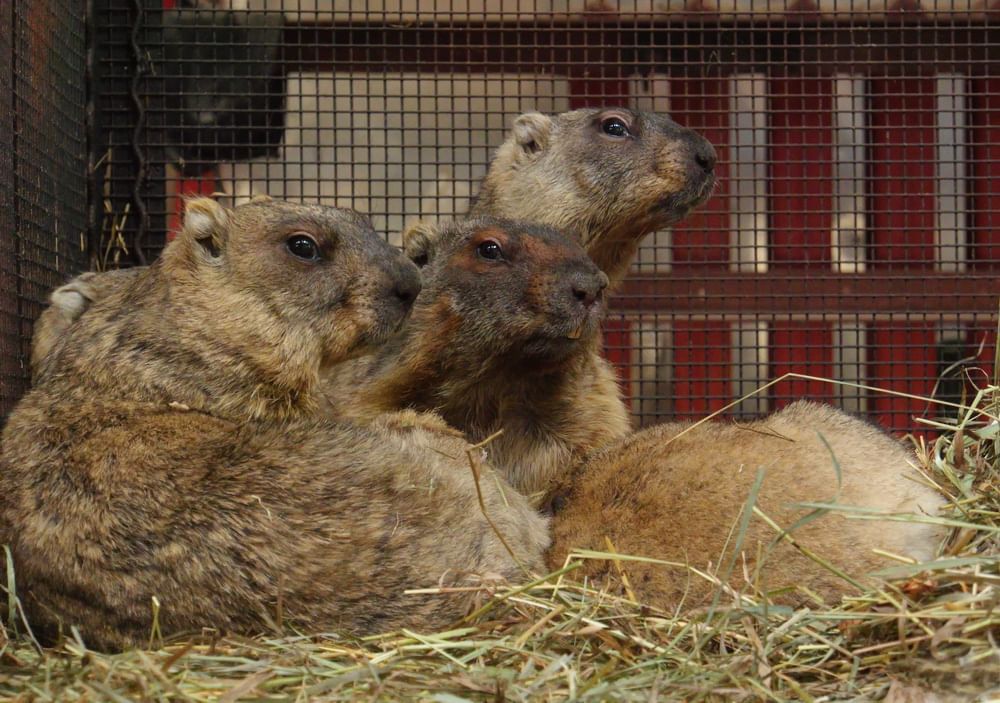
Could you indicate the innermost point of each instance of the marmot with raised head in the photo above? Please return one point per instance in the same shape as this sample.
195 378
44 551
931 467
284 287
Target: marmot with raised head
611 175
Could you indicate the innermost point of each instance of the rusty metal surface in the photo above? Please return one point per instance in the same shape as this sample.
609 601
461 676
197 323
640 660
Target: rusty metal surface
692 48
828 295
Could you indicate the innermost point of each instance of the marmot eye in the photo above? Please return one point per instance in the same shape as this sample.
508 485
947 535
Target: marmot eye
303 246
614 127
490 250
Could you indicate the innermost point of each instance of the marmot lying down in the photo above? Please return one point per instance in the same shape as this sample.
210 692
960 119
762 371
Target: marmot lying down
170 460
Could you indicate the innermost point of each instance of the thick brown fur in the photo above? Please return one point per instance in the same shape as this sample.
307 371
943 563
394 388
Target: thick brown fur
567 172
463 354
171 450
676 494
509 344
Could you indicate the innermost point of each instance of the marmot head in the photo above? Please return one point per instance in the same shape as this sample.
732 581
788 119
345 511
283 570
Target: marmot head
631 162
304 262
505 291
311 271
238 316
613 175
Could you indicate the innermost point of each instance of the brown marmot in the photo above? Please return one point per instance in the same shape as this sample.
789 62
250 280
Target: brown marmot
505 336
612 175
169 467
66 304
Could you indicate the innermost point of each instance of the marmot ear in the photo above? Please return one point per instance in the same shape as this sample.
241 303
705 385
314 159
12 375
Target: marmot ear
206 224
419 242
73 298
532 131
67 303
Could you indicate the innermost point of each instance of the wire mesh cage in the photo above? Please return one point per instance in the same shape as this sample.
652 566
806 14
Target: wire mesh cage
43 186
854 234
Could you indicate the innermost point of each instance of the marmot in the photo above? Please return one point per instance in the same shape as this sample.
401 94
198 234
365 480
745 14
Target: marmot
169 466
66 304
612 175
520 353
505 335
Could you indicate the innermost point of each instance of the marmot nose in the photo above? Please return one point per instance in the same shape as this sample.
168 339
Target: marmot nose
705 156
407 285
588 287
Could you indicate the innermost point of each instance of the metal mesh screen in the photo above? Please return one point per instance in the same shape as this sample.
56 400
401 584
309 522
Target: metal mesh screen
43 191
855 234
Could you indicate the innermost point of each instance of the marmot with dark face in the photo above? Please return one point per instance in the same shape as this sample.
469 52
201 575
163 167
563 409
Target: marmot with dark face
169 465
505 337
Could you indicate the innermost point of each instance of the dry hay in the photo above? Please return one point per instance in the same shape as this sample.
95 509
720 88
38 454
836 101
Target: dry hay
930 635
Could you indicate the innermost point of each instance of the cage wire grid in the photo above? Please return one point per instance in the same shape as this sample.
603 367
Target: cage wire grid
853 235
43 190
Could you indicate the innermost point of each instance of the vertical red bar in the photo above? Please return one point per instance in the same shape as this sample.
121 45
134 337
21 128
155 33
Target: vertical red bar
801 186
903 355
984 165
203 185
703 105
702 362
801 172
804 348
618 350
703 348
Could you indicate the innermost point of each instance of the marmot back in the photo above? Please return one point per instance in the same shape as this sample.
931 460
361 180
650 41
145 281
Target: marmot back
170 462
676 494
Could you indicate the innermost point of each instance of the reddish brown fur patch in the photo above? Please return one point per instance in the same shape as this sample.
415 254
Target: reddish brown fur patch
546 254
